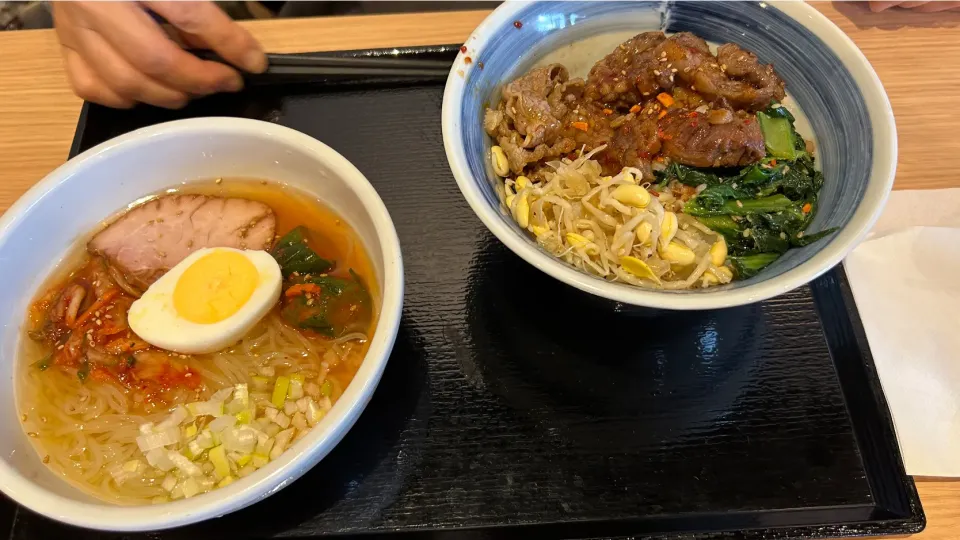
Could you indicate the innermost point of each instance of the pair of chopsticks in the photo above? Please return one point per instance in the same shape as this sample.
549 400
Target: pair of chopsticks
284 68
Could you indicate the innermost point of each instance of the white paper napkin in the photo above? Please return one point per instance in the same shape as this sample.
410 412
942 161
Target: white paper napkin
906 281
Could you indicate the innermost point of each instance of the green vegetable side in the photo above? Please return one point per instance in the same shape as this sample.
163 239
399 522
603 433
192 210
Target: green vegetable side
294 255
312 299
761 210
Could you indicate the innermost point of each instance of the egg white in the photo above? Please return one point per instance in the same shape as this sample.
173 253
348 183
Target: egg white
154 318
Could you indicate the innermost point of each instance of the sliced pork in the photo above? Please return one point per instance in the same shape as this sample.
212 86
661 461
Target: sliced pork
150 239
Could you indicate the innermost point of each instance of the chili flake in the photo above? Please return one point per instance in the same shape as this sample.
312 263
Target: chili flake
463 49
582 126
807 208
635 109
517 24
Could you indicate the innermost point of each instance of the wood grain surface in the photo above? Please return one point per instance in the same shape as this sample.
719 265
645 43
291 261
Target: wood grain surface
917 57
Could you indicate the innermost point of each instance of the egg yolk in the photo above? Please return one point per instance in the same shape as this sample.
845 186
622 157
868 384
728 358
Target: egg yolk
215 287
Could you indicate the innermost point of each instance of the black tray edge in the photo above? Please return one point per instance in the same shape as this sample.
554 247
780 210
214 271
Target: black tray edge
866 404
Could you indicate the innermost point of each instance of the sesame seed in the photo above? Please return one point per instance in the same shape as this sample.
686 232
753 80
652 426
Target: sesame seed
43 419
23 418
46 459
59 347
739 204
219 180
623 72
723 67
656 72
800 234
686 69
783 235
734 185
33 434
99 322
746 233
108 316
673 70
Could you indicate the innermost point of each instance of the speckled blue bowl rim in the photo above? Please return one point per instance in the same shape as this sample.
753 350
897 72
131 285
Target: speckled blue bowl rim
848 109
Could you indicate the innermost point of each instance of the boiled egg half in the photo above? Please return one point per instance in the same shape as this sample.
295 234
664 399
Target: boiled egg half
208 301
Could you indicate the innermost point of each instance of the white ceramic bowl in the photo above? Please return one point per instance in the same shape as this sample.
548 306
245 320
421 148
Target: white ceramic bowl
826 75
70 203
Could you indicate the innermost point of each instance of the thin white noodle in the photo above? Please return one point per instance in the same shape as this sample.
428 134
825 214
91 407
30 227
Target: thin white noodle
82 428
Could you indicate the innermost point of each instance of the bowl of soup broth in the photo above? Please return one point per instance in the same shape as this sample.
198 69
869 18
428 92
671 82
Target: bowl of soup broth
197 314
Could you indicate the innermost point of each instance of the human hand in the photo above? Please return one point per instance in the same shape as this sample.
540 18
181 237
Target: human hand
116 54
924 7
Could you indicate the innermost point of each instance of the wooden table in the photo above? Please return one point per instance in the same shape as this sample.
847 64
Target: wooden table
916 55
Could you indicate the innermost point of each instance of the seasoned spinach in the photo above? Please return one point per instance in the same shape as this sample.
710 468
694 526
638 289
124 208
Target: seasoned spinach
294 255
762 209
749 265
333 307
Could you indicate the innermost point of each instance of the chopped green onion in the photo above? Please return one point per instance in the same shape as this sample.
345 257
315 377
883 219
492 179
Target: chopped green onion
169 482
295 391
280 391
190 487
218 456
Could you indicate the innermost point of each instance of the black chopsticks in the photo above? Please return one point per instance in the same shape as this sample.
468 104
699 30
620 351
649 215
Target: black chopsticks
284 68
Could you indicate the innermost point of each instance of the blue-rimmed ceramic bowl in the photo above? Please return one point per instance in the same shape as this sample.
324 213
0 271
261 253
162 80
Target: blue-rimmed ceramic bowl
845 107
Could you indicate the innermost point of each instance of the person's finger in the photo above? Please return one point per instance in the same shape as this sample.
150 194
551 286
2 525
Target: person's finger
130 31
932 7
122 77
87 85
881 5
83 79
214 28
913 4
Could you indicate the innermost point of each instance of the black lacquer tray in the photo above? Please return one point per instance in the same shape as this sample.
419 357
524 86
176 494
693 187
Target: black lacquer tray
514 406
